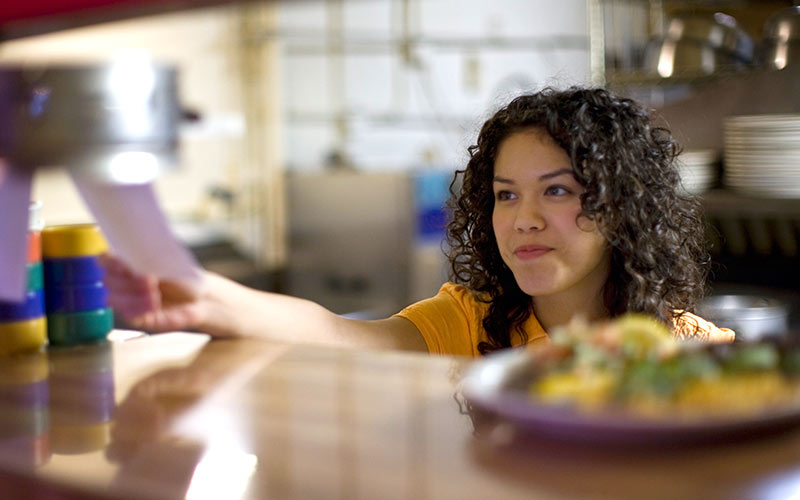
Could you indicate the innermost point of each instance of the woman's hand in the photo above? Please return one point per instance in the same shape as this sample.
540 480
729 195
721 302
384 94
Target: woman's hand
146 303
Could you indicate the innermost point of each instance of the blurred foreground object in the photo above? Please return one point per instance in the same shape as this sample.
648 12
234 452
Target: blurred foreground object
22 324
18 19
112 126
629 381
116 122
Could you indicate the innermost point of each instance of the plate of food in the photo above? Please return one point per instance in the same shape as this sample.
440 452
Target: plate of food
631 381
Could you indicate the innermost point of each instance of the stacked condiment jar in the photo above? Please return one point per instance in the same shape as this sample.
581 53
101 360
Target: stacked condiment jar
22 324
75 295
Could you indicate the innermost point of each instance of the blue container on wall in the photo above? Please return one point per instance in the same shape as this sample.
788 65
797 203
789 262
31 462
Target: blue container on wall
431 191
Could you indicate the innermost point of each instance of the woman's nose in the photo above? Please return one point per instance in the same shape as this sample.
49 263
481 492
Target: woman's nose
529 218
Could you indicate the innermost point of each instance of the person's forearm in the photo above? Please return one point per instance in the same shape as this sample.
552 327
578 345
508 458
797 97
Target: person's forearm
235 311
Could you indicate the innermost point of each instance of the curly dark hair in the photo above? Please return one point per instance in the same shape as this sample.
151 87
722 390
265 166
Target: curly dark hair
659 261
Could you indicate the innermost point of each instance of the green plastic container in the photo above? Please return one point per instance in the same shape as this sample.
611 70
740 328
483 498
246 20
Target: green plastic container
78 328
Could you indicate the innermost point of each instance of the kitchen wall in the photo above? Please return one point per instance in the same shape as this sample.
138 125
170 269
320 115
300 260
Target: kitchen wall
392 84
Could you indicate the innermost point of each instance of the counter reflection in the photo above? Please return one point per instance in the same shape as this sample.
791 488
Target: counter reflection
24 411
82 401
55 402
155 455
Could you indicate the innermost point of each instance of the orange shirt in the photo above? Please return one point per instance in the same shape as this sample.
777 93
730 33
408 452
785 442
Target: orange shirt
444 319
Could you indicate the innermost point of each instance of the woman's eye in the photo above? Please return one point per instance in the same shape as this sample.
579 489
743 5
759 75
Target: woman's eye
557 191
504 195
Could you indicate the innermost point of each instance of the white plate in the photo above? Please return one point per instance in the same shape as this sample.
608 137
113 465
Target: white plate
764 148
790 158
775 142
763 119
763 181
696 172
757 173
760 166
762 122
774 149
698 156
784 132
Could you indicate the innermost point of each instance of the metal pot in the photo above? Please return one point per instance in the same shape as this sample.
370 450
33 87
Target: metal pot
751 317
118 122
668 58
782 38
718 31
699 44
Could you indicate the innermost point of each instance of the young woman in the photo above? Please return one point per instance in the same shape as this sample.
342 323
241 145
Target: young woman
569 206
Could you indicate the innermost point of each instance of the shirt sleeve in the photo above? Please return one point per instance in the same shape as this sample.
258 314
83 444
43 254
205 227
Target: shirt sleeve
445 321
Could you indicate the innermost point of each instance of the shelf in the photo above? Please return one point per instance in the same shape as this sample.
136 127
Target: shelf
629 78
724 202
748 226
311 42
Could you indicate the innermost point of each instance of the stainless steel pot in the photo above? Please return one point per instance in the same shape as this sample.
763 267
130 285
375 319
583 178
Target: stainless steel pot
782 38
669 58
718 30
118 122
699 44
751 317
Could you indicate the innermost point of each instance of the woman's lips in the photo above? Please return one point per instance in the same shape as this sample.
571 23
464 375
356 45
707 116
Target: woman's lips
527 252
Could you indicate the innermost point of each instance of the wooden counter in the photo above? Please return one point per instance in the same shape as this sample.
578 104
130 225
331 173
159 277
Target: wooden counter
178 416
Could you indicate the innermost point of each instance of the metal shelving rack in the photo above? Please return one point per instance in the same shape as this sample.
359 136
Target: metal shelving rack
742 225
755 242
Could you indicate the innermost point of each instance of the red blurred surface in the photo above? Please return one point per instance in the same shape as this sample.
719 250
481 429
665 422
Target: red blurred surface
22 18
15 11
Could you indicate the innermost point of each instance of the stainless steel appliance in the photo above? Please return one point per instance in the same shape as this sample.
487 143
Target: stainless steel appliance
350 240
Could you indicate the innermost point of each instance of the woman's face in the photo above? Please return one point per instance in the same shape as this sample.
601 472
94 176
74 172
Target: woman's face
536 206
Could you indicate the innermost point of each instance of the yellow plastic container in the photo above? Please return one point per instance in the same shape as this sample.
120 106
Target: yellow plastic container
22 336
76 240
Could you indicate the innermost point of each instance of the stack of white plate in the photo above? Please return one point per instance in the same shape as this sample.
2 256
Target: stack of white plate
697 170
762 155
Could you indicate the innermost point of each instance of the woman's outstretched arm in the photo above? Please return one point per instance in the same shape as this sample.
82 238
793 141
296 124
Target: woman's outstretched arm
224 308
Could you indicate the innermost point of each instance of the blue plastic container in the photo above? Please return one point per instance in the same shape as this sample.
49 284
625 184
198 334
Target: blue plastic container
76 298
30 308
72 271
